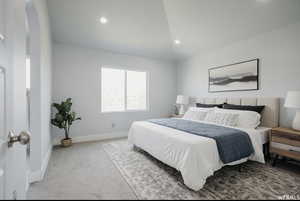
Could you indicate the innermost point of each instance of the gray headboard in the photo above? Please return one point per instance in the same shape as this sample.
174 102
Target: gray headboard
270 115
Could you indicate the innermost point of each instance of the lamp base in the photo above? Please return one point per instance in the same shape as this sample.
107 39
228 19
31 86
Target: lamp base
182 110
296 123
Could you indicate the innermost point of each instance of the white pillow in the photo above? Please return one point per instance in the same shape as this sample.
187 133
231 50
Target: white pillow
202 109
247 119
194 114
226 119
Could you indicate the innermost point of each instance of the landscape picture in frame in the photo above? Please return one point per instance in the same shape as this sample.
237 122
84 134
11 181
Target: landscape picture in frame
243 76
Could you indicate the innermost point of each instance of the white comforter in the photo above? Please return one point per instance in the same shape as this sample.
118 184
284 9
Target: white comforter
196 157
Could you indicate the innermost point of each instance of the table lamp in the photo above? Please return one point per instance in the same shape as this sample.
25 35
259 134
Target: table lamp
182 101
293 101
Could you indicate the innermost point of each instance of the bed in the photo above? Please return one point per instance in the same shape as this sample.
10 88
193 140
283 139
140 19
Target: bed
198 157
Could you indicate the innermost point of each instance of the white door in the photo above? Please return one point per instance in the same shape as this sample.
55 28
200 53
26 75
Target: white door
13 167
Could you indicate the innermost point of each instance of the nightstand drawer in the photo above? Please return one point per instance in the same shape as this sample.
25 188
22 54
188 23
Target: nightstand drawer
285 140
290 154
290 136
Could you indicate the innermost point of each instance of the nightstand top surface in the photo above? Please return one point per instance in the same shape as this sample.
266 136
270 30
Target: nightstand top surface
177 115
286 130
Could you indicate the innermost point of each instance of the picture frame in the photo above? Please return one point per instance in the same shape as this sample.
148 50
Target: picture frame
241 76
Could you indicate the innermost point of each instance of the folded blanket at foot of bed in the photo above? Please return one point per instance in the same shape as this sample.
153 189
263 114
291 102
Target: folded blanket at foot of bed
233 144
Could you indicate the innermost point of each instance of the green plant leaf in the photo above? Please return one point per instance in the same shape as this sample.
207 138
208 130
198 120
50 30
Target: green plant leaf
64 117
57 106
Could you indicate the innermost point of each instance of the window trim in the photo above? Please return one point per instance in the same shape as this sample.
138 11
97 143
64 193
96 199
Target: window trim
126 69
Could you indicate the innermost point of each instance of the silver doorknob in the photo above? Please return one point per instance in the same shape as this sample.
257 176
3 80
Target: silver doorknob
23 138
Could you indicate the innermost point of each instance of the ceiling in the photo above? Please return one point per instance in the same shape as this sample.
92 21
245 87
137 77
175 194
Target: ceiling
149 27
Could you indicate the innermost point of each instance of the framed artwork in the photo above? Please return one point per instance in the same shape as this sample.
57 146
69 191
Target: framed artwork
242 76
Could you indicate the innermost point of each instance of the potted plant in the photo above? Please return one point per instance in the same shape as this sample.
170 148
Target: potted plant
64 119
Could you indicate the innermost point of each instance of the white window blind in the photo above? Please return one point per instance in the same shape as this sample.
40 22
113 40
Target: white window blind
123 90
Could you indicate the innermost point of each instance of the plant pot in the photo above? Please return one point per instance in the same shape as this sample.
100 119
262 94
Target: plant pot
66 142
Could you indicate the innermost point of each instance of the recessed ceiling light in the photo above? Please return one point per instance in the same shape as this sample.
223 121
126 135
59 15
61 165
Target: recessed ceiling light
103 20
177 42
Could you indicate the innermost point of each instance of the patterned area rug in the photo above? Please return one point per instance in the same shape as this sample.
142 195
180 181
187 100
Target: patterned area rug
150 179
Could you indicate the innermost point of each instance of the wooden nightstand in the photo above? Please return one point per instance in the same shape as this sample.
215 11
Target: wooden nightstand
285 136
176 116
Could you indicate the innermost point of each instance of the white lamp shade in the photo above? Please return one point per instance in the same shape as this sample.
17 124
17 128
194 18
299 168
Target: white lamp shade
293 99
182 100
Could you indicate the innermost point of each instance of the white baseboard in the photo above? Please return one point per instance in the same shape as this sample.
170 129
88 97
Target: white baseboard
93 138
37 176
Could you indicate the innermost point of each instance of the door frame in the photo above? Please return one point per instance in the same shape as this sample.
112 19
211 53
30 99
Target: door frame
2 185
36 160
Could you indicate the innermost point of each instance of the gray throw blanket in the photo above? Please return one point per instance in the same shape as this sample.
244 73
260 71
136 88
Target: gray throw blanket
233 144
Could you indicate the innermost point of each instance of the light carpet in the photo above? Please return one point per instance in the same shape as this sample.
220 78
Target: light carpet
151 179
81 172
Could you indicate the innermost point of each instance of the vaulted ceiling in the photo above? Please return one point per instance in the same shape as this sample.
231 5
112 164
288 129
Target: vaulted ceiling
149 27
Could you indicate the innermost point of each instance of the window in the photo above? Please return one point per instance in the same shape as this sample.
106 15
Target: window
123 90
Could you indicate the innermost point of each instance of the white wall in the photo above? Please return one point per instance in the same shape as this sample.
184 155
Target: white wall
278 52
41 86
77 75
46 75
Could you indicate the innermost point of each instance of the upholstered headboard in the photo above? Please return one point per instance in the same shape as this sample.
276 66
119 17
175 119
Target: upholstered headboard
270 115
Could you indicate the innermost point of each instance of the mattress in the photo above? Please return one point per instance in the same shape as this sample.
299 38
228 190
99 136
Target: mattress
195 157
264 132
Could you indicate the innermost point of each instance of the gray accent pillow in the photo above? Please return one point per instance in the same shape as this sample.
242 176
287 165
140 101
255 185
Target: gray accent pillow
209 105
257 109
